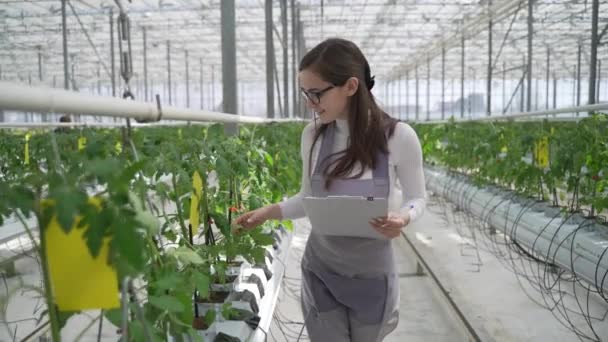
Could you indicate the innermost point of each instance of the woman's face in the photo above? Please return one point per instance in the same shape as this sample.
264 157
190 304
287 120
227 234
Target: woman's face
327 100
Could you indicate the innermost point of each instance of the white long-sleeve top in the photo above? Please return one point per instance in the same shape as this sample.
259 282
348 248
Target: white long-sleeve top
405 165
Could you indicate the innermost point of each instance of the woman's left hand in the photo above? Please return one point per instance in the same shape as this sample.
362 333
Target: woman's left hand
390 225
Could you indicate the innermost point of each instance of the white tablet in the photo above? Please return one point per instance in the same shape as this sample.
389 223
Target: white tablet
345 215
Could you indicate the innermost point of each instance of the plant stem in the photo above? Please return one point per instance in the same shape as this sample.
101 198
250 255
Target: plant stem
180 215
48 293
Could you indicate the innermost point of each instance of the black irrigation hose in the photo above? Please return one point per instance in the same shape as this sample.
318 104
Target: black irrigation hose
540 282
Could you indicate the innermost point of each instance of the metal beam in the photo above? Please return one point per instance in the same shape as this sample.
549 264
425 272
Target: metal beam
285 46
407 95
578 75
443 84
462 76
594 45
294 59
428 88
269 61
187 80
529 64
229 77
489 80
547 77
417 94
169 86
145 48
112 53
64 28
202 88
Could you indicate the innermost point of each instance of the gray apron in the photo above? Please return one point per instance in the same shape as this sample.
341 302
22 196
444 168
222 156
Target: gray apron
350 289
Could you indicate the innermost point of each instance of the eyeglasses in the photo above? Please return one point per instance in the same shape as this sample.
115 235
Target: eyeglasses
315 96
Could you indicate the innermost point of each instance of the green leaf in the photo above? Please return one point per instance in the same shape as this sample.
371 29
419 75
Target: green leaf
170 281
223 167
185 298
188 256
114 316
268 159
260 238
202 284
166 303
288 224
68 202
210 317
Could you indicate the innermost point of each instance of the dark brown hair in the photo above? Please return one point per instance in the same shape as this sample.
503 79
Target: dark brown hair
336 60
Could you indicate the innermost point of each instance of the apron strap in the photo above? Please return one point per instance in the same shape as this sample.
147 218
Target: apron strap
327 145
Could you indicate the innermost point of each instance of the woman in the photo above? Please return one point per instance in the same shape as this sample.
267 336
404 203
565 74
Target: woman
350 288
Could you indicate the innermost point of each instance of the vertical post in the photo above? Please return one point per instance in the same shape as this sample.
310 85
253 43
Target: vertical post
201 82
151 95
293 58
428 88
417 94
145 63
472 102
269 61
523 96
548 77
407 95
599 80
574 87
443 83
73 74
594 44
452 97
112 57
187 80
40 78
400 97
285 58
169 86
489 80
229 77
64 30
98 79
241 98
462 77
504 86
578 75
212 87
529 66
536 94
554 93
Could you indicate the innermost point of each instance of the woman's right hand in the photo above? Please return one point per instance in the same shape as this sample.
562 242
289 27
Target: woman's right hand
254 218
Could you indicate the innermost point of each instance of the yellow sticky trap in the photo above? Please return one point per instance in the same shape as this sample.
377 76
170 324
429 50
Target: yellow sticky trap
82 143
504 149
26 157
179 133
541 152
118 147
78 280
197 185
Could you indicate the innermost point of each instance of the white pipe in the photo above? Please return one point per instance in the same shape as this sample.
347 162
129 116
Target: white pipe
48 100
500 116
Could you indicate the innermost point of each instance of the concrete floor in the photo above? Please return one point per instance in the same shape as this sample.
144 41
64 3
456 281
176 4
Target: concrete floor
488 293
